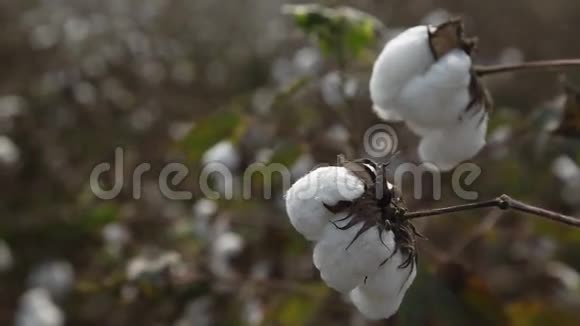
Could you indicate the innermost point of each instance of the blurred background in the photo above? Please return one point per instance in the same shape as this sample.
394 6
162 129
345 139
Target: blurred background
238 82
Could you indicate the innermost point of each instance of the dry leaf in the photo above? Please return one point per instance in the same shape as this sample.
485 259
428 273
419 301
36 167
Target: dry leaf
448 36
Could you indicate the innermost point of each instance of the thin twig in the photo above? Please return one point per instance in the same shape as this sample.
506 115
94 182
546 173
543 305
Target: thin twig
503 202
344 113
526 66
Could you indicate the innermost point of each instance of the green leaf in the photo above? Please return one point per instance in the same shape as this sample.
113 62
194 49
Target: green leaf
298 308
209 131
341 31
287 154
360 36
99 215
536 312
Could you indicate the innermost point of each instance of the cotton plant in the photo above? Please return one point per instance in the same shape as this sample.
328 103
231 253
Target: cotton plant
362 246
364 239
363 236
425 77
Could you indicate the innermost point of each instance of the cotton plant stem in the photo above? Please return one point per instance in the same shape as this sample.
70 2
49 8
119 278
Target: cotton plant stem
503 202
526 66
345 113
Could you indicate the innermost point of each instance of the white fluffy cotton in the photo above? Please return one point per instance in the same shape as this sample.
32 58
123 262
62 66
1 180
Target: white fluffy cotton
37 308
407 82
382 293
343 267
9 152
431 96
306 198
404 57
448 147
223 152
387 115
437 98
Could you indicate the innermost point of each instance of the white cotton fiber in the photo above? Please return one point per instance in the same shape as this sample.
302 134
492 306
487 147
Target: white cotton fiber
437 98
382 293
37 308
403 58
448 147
431 96
387 115
306 198
373 307
343 269
223 152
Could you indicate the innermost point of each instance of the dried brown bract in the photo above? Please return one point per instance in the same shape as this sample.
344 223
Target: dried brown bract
380 205
451 35
448 36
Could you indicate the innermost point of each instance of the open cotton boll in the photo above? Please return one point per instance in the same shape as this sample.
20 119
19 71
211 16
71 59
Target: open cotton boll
387 115
382 293
372 307
390 279
448 147
343 267
223 152
37 308
437 98
306 198
402 58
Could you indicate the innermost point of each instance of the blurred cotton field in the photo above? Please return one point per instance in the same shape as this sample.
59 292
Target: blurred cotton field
234 83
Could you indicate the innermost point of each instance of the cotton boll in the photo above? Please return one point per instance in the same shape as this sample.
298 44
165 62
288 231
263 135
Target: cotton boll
223 152
448 147
390 279
403 58
565 169
152 265
382 293
56 276
334 89
197 312
225 247
343 267
115 237
371 307
419 130
306 198
437 98
9 152
387 115
38 309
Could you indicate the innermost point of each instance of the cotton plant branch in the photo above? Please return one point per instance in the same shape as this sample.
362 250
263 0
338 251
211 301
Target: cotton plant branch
526 66
503 202
344 113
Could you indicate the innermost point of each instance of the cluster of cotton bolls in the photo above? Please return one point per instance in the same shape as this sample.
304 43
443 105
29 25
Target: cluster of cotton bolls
47 283
361 261
424 77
